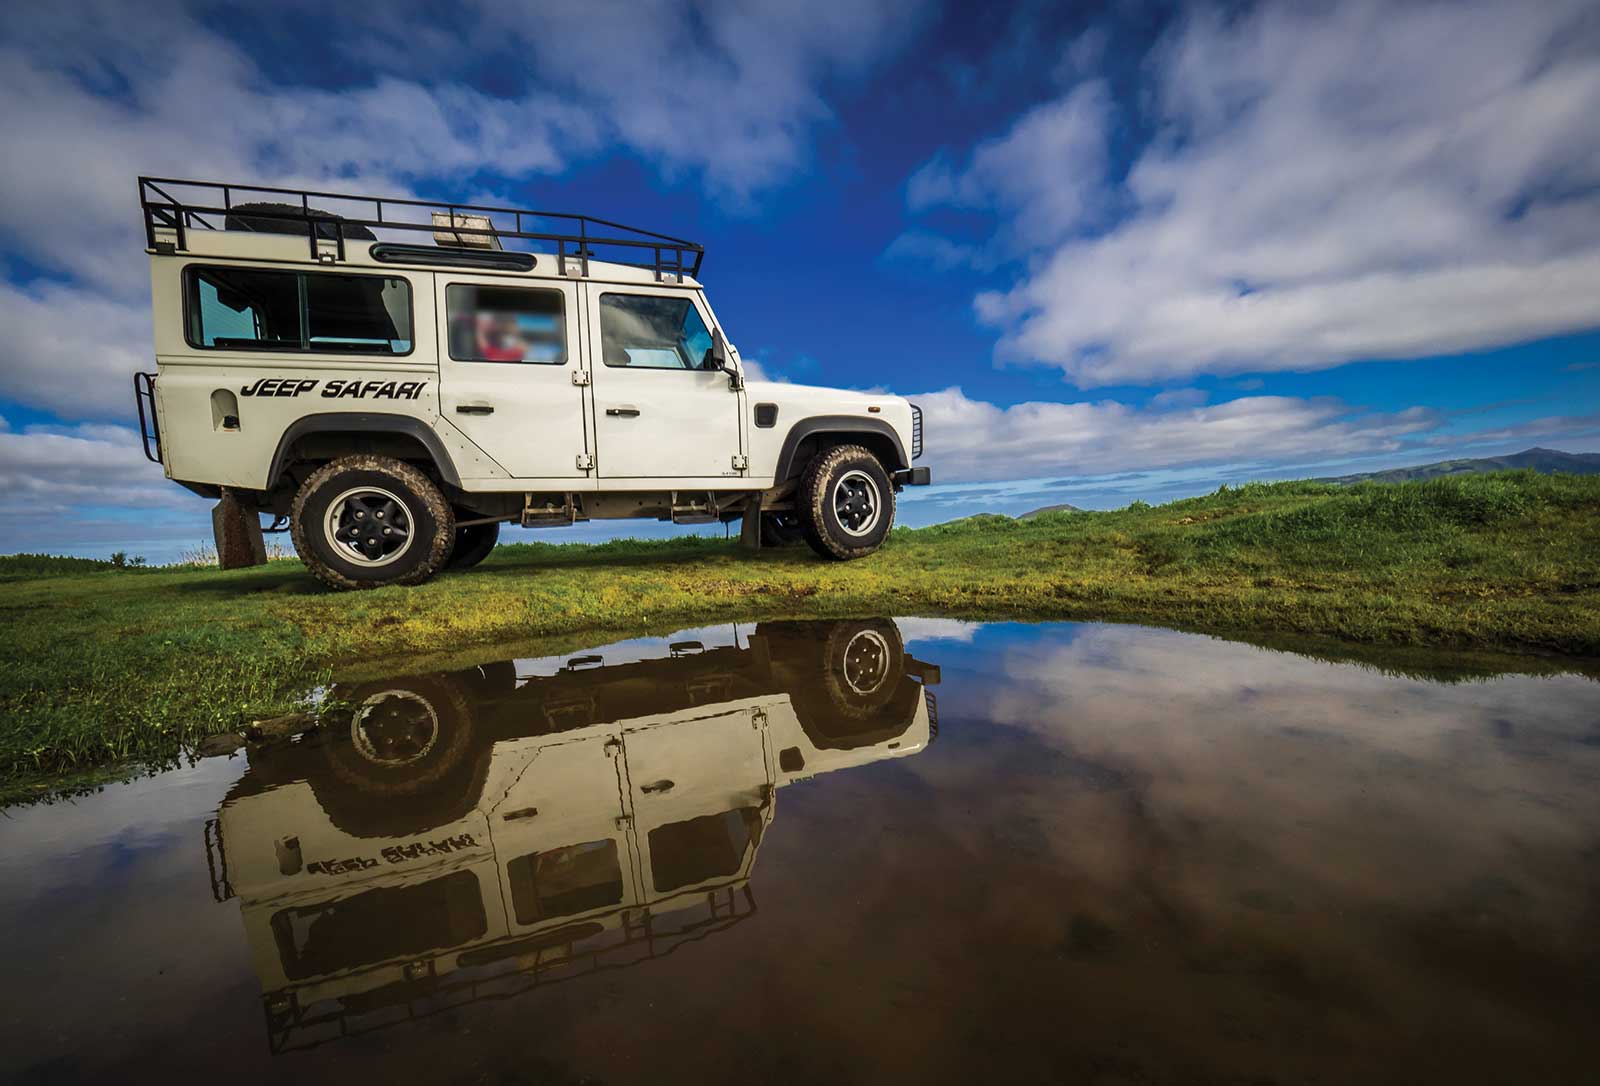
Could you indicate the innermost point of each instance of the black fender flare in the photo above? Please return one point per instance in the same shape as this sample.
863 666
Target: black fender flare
364 422
837 424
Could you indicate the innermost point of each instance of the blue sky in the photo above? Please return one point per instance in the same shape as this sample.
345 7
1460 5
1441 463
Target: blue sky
1116 251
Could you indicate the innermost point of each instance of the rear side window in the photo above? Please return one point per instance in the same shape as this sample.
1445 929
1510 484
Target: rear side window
565 881
249 309
506 324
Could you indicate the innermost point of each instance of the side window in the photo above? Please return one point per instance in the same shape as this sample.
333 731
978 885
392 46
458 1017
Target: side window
565 881
238 309
234 309
358 313
506 324
646 331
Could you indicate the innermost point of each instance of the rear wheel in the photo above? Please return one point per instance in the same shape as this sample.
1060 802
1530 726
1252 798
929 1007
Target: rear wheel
367 521
846 503
781 529
473 544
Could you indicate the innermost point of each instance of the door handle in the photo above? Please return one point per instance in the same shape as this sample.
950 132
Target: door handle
474 409
625 411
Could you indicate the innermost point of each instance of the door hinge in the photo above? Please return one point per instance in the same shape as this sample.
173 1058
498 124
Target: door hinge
580 377
585 462
740 462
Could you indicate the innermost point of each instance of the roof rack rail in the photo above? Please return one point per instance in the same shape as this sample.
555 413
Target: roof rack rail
177 205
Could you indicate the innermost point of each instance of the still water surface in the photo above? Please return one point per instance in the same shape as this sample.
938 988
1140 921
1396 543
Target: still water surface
911 850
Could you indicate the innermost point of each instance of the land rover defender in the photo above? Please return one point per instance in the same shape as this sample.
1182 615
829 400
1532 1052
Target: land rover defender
394 379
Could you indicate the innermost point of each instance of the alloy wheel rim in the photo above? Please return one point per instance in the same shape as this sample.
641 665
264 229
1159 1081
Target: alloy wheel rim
857 503
369 526
394 728
866 661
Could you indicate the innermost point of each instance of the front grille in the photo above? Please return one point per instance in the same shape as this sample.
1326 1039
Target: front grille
916 431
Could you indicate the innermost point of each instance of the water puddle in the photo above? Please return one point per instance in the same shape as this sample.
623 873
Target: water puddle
907 850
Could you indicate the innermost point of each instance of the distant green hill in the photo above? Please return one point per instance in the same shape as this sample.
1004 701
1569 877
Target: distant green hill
1541 460
1062 508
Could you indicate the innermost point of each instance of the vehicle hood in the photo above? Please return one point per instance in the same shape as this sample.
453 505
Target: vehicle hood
814 397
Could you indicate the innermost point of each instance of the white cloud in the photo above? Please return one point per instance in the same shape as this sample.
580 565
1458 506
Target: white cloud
48 472
1047 172
98 93
1326 184
729 88
72 351
971 440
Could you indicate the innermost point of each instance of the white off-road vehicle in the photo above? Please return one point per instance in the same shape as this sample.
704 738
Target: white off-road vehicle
394 379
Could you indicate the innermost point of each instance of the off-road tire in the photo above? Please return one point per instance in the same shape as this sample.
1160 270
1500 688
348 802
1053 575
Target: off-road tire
437 781
473 544
824 530
432 522
865 661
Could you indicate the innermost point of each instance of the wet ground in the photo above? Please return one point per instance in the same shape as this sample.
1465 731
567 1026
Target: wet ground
881 851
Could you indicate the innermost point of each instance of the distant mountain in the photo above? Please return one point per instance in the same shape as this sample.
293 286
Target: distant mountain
1543 460
1063 508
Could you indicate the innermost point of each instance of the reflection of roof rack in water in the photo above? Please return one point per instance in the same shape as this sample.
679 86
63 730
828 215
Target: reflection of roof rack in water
473 233
556 958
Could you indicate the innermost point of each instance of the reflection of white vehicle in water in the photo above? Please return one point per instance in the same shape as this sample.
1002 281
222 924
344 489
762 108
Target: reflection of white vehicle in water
457 837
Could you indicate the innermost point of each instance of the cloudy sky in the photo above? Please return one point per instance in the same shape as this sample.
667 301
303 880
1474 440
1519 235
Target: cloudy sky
1115 251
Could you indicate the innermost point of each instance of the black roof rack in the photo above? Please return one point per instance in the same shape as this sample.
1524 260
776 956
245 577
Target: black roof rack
178 205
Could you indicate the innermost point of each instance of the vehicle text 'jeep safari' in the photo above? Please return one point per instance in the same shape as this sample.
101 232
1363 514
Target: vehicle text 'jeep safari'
397 378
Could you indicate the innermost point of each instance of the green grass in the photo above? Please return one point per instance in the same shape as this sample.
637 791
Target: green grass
116 666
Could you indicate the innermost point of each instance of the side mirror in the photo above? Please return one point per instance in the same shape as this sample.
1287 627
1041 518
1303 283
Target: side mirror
722 358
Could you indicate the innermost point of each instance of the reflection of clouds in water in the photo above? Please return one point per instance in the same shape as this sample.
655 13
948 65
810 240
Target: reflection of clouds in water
118 870
1258 776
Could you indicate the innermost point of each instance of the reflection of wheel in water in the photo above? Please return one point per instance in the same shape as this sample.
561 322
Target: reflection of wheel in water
404 735
864 663
404 760
393 728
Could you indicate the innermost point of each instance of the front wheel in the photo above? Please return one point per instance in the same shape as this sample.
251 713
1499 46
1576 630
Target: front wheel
367 521
847 503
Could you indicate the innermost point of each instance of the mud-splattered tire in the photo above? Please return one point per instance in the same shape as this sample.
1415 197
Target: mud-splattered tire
404 755
865 661
473 544
368 521
846 502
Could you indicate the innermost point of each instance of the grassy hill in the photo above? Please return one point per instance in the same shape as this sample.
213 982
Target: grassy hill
1062 508
1536 459
118 665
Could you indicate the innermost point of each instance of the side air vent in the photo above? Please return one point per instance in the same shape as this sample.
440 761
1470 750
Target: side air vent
766 415
916 431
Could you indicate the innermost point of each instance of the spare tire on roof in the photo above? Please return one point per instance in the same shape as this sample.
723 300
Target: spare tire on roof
251 217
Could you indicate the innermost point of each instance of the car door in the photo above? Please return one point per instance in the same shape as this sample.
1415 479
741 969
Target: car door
658 413
561 833
701 786
510 366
